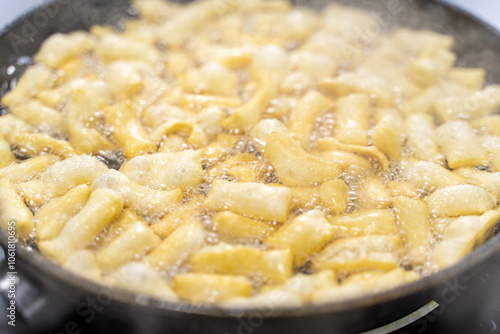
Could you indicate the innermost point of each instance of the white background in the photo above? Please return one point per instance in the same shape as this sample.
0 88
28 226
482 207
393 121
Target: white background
488 10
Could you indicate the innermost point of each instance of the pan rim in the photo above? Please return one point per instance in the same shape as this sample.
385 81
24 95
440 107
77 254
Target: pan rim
45 266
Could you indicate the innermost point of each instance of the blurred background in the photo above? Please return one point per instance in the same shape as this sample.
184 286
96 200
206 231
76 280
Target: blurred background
488 10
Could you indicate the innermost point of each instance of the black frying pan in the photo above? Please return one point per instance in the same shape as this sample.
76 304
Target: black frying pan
50 299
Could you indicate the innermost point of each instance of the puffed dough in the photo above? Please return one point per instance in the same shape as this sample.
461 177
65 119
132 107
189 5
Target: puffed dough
273 266
254 200
461 200
51 217
127 130
165 171
462 235
103 206
210 288
296 167
83 263
135 241
143 200
304 115
177 248
60 178
373 252
28 169
250 113
421 140
303 235
6 155
61 47
460 145
353 118
14 215
334 195
233 226
138 277
364 222
412 217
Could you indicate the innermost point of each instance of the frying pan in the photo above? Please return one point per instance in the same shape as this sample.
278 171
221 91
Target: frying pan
50 299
